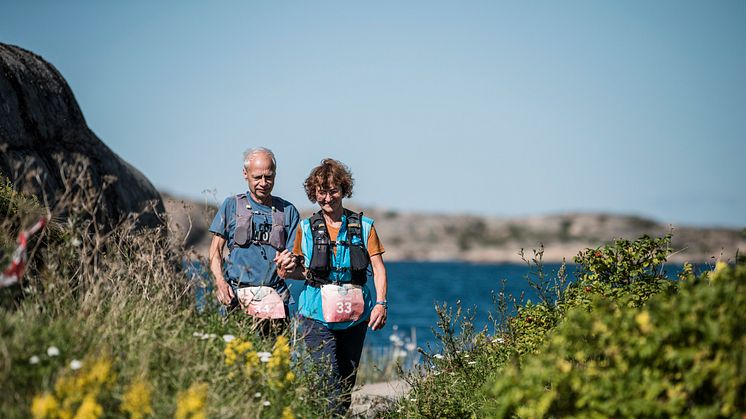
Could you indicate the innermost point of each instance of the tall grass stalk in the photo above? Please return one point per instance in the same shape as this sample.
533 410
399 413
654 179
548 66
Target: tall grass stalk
103 308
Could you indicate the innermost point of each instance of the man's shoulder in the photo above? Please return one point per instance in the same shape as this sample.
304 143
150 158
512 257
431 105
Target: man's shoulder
229 203
286 205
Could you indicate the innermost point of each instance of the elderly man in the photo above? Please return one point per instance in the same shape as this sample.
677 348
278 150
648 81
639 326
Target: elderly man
258 228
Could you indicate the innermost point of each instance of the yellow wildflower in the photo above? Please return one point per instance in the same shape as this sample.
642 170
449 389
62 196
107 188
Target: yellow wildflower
280 354
89 409
99 371
290 377
190 404
235 348
720 266
287 413
252 361
90 379
44 406
643 322
136 401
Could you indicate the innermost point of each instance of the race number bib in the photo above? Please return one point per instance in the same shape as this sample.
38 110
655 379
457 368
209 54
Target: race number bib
342 303
261 302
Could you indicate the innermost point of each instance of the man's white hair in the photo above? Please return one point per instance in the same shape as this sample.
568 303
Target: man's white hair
250 153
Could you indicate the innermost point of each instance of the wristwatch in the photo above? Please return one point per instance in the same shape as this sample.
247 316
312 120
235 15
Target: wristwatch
383 303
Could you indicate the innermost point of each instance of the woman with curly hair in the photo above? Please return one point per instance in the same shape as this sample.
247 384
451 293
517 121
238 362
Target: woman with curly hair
334 249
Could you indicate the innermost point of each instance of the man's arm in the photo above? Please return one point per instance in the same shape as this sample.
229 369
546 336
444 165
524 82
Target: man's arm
225 293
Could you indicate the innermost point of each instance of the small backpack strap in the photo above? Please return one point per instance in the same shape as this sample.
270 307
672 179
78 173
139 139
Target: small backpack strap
354 224
359 258
321 253
278 235
244 226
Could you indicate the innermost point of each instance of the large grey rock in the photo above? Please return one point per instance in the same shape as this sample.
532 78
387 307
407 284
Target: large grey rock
48 150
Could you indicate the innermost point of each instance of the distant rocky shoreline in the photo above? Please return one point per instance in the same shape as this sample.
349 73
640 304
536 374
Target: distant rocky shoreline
410 236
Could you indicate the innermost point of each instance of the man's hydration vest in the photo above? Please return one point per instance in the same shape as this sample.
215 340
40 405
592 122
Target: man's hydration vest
322 254
244 235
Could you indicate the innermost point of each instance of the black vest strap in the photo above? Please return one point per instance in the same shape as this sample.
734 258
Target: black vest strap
322 253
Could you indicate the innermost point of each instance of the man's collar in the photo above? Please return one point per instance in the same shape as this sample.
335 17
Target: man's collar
253 201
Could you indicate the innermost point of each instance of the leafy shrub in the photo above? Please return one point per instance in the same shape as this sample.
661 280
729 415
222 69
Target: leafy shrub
679 355
446 379
451 384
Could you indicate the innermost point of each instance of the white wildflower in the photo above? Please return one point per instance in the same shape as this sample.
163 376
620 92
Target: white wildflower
53 351
257 394
266 403
197 334
438 356
400 354
436 372
472 362
33 360
76 242
228 338
411 347
412 400
498 340
75 364
264 356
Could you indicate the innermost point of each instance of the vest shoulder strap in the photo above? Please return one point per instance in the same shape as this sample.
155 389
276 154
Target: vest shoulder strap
243 208
317 220
354 223
278 215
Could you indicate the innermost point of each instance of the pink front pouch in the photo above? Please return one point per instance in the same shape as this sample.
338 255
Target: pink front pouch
342 303
261 302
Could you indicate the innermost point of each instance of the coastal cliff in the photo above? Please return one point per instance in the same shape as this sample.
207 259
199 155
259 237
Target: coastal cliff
48 150
481 239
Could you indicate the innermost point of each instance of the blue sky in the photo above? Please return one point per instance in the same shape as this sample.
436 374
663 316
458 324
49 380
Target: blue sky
482 107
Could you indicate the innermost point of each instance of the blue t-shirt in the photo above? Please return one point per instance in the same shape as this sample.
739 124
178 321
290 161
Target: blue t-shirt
252 265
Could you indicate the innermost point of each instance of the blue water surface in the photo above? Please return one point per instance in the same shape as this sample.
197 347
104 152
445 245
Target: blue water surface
414 288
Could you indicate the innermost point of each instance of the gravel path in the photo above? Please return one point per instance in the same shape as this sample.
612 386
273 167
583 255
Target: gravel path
371 399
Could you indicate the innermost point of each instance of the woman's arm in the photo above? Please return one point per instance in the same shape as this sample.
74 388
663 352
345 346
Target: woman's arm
378 315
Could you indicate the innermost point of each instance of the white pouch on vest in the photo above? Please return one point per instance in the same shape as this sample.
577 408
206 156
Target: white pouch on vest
261 302
342 303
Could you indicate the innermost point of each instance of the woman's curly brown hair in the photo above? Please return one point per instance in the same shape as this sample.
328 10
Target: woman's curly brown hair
330 173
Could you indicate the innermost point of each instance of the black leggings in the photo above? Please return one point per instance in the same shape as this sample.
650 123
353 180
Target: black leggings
341 350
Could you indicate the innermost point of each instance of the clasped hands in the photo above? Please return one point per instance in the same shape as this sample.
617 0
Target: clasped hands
286 263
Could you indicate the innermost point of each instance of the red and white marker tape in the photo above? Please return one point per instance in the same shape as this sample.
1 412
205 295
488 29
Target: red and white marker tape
14 272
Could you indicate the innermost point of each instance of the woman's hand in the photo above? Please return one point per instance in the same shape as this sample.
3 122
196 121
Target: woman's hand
377 317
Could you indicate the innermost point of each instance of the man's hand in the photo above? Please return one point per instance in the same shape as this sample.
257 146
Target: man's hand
225 292
286 263
377 317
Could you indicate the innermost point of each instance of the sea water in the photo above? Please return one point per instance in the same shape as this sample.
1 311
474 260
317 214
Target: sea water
415 288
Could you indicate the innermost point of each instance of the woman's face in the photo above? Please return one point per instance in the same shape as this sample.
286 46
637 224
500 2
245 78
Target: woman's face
330 200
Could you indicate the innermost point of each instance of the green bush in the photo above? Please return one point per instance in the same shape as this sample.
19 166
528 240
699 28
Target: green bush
452 383
679 355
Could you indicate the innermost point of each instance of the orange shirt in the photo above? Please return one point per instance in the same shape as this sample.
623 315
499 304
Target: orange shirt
374 244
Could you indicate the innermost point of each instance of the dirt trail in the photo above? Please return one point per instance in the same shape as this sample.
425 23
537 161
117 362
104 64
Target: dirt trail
373 398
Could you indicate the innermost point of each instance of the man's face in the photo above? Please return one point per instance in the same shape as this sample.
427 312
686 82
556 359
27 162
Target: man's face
260 176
